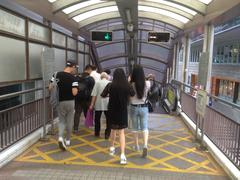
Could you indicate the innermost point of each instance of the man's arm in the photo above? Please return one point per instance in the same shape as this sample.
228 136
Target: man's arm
74 91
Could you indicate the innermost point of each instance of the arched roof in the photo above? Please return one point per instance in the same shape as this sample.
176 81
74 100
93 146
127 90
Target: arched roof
145 15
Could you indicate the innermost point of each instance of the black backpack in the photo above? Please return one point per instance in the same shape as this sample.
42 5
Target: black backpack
84 88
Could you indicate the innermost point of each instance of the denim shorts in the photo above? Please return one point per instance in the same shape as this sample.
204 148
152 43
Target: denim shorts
139 118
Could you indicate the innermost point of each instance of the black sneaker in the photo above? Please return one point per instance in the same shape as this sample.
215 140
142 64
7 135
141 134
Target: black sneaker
61 144
144 154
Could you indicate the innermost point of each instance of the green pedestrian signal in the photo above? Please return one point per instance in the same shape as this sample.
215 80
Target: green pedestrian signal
107 36
104 36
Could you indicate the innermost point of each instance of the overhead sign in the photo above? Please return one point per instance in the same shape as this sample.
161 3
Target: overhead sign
101 36
158 36
201 102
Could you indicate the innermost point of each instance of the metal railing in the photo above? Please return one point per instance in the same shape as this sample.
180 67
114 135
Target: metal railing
222 130
19 121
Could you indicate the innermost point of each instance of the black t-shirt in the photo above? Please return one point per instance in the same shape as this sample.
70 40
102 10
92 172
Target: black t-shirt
66 82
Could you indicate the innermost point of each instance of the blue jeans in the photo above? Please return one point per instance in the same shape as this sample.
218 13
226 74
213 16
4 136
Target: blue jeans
139 118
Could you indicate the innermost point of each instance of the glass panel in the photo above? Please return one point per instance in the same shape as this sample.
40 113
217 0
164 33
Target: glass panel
60 61
154 51
149 62
158 76
118 35
71 43
38 32
87 60
12 59
59 39
235 53
35 52
10 102
111 49
113 62
238 100
29 96
71 56
86 48
11 23
81 63
81 46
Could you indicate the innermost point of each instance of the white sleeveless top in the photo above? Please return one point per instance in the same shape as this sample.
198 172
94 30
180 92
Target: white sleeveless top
135 100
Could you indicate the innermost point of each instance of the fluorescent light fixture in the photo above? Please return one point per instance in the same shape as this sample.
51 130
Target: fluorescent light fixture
163 12
175 5
205 1
95 12
128 14
51 1
81 5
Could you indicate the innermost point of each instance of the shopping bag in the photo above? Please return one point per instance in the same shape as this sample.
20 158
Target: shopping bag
89 118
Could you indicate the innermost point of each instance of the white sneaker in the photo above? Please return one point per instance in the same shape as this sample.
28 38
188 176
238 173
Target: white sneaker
123 159
67 142
61 144
112 151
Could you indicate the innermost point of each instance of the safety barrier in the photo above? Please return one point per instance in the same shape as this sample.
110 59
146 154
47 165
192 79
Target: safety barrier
222 130
19 121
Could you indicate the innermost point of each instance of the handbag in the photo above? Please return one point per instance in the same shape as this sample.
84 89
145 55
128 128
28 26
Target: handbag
150 106
89 118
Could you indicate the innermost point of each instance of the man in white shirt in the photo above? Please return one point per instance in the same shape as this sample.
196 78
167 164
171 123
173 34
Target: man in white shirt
95 74
100 105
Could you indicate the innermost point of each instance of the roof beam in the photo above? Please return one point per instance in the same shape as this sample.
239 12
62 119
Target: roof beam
107 58
144 66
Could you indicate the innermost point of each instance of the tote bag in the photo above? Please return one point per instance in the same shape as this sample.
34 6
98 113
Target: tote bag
89 118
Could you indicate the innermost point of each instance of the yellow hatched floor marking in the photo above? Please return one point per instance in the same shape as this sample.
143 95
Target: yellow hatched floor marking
114 160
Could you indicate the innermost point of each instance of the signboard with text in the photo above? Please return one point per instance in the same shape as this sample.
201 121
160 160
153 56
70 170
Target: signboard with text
201 102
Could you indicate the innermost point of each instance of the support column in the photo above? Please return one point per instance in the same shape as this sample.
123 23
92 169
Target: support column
208 48
173 74
186 55
177 62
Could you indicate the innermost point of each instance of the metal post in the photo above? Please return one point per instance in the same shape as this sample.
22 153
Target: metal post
44 138
202 146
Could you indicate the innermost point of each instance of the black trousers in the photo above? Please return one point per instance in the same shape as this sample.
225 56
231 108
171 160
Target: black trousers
79 107
97 119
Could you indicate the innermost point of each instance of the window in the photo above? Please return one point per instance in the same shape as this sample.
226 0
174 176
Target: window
226 89
227 53
10 102
238 100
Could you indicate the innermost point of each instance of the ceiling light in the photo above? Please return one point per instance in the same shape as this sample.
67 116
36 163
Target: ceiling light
95 12
51 1
80 5
128 14
175 5
205 1
163 12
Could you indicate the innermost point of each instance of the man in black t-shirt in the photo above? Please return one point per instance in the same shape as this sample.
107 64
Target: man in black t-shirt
68 88
83 100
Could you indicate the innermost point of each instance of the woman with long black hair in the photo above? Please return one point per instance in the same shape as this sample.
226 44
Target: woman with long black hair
138 108
119 92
